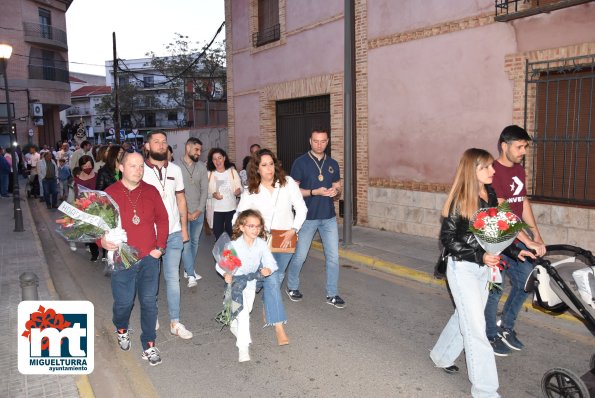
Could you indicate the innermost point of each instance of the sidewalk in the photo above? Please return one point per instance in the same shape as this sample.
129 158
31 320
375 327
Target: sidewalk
21 252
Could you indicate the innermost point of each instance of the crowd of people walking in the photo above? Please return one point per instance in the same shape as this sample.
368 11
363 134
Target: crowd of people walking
164 206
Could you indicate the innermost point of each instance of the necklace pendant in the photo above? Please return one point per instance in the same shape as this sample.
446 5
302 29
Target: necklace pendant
163 195
135 218
320 177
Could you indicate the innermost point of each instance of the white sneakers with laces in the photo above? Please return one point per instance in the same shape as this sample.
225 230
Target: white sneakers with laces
177 329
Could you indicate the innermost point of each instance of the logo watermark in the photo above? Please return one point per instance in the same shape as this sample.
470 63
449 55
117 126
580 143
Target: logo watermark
56 337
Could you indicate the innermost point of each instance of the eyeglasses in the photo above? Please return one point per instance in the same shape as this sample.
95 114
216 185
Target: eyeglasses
253 226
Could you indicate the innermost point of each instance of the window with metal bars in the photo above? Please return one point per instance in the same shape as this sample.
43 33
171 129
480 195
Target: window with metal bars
269 29
563 156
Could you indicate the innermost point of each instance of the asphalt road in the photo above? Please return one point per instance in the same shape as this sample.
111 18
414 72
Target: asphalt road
378 345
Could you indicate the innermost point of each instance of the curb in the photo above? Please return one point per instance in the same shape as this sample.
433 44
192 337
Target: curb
418 276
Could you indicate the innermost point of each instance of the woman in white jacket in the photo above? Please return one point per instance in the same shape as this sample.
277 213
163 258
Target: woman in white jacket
276 196
224 188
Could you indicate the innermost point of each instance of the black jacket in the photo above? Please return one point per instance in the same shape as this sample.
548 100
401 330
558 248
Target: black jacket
460 242
105 178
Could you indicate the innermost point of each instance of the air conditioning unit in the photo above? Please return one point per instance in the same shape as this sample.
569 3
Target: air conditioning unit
37 110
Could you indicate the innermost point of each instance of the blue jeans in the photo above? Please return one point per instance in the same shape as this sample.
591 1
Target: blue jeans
142 277
274 308
171 273
329 234
191 247
466 328
4 184
518 272
50 187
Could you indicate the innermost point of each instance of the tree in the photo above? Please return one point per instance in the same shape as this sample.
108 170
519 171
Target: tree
134 104
189 77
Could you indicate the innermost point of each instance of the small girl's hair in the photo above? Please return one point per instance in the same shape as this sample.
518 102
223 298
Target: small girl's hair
241 220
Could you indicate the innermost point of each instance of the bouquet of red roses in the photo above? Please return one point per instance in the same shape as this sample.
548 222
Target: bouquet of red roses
495 229
93 214
228 261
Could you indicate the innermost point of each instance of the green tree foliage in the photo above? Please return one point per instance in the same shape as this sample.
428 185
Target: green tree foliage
187 76
134 103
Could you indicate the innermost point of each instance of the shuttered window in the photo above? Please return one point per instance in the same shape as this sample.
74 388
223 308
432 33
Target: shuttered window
564 148
269 29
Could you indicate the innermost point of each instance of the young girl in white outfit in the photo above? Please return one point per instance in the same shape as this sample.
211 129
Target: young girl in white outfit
251 248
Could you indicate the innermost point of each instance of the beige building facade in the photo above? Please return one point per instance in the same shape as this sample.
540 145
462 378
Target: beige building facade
432 79
38 68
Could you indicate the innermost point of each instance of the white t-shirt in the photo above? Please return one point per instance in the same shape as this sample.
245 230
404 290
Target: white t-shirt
225 186
168 181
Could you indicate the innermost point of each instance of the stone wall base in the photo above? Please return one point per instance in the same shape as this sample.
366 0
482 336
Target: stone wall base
418 213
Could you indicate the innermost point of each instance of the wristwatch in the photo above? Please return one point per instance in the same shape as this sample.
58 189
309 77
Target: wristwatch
161 249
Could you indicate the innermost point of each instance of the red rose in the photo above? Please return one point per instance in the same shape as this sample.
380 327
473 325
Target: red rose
479 223
492 211
482 214
502 225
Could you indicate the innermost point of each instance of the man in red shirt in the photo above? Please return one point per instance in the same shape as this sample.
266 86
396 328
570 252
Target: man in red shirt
509 184
145 220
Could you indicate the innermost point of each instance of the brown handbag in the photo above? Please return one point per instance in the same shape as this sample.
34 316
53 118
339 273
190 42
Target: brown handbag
275 240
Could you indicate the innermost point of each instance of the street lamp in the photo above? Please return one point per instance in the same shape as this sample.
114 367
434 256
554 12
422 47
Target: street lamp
5 53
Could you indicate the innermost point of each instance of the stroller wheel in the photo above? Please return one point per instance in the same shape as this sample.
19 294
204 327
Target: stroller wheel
559 382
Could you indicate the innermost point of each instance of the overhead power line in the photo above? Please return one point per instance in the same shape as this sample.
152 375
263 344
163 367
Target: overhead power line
183 72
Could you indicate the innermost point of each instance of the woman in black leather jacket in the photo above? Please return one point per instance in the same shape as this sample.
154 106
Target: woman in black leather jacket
468 275
106 176
109 173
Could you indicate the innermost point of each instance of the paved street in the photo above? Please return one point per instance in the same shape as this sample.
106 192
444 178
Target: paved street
377 345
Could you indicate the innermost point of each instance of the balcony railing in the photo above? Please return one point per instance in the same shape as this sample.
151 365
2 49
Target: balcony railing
507 10
267 35
45 34
48 73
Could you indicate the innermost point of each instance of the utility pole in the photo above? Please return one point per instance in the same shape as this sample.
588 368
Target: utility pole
117 107
348 104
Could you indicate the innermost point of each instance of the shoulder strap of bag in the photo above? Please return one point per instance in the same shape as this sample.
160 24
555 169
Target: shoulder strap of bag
275 207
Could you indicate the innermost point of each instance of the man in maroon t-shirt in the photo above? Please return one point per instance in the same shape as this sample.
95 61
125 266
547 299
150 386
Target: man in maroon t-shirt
145 220
509 184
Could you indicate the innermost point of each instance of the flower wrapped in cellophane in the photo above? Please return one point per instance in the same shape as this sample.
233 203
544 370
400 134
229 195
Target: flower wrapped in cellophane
227 260
92 215
496 228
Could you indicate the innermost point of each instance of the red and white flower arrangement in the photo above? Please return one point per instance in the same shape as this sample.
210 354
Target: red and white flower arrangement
495 228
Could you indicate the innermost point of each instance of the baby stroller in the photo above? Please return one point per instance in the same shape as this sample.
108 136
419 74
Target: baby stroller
564 279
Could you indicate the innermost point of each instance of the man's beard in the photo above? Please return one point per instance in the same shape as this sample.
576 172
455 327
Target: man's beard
158 156
194 158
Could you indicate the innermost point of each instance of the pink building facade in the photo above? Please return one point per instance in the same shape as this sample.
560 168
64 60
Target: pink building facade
432 79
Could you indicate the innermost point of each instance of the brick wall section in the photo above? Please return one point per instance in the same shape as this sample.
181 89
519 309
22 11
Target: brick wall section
361 106
434 30
231 137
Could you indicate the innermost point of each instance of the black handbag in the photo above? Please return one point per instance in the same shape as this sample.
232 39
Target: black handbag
440 267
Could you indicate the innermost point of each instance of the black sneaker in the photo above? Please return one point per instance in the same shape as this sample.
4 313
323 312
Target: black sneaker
451 369
294 295
151 354
509 338
123 339
500 349
336 301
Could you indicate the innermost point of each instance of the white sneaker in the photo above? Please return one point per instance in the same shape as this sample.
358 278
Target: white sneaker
233 328
177 329
244 354
72 246
192 281
196 276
